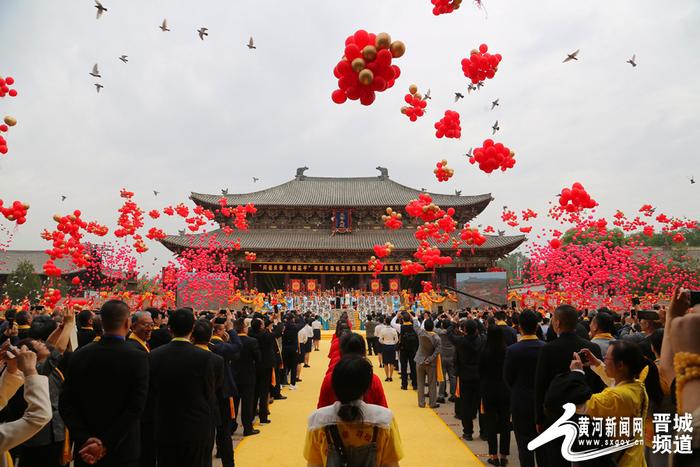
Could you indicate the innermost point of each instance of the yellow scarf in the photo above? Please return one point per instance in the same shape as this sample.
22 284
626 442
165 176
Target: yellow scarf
203 347
136 338
604 335
528 337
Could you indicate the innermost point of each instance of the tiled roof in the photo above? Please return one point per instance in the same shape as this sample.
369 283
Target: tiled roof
341 192
9 259
321 240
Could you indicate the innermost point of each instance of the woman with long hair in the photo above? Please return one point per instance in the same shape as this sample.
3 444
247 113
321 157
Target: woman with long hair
351 432
495 395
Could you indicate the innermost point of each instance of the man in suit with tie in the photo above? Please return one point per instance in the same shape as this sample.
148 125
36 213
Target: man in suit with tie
519 373
245 374
184 381
554 358
104 395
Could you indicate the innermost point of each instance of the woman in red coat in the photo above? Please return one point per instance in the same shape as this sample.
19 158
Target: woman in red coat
351 344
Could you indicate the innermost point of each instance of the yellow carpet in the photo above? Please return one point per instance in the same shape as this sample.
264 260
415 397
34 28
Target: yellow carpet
427 440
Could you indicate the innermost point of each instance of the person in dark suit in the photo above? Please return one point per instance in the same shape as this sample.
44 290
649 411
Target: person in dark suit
244 370
554 358
227 346
141 327
495 396
262 332
184 380
86 333
519 373
161 334
468 346
509 334
104 394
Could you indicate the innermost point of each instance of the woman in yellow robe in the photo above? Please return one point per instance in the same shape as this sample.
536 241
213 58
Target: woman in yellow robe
626 397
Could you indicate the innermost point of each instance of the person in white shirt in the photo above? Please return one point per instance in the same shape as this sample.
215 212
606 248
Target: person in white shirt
388 338
20 369
305 335
308 346
316 327
377 332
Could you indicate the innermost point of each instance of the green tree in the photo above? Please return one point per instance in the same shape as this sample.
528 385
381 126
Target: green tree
515 265
592 235
23 282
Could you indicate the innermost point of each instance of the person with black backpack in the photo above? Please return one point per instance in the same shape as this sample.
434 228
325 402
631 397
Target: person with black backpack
408 346
352 433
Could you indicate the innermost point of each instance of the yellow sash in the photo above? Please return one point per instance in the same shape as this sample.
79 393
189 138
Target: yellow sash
457 393
134 337
438 368
273 380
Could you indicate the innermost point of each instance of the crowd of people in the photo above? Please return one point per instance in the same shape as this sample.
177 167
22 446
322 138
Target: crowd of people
117 387
513 371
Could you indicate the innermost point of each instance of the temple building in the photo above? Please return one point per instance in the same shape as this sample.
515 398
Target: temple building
318 233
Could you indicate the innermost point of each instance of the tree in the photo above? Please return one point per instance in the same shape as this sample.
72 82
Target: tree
23 282
515 265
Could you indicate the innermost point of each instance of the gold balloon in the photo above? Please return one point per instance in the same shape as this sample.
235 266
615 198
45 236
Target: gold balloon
358 65
57 217
389 210
413 89
474 51
444 162
10 121
419 96
398 216
366 76
404 109
398 48
369 52
383 40
26 206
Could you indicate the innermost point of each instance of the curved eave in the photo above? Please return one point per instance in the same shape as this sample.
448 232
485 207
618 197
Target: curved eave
320 241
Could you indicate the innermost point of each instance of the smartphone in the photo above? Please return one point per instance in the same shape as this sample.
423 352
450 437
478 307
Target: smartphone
12 352
694 297
583 357
648 314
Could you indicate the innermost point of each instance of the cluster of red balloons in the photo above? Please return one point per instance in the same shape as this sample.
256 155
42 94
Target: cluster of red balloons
448 126
130 219
480 65
443 7
154 214
5 84
182 210
427 286
430 230
528 214
431 256
471 236
527 229
4 127
424 208
442 172
409 268
66 241
416 104
492 156
155 233
51 297
366 67
382 251
576 198
510 217
168 211
392 220
16 212
375 265
250 256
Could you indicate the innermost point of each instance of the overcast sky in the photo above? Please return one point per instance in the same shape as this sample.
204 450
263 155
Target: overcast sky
185 115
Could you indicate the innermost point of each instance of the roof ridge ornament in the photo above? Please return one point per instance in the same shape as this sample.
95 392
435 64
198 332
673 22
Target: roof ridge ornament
383 173
300 173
